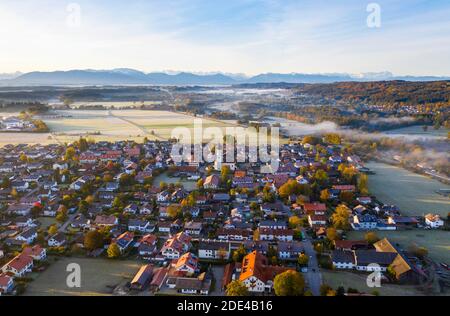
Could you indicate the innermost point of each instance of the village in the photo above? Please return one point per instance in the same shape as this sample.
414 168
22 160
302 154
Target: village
235 231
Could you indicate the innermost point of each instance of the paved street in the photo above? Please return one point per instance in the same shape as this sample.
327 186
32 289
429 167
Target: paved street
313 276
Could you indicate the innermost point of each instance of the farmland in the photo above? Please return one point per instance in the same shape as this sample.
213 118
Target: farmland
98 277
413 193
113 125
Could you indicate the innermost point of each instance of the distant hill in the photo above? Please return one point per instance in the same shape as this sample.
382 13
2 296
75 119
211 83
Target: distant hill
126 76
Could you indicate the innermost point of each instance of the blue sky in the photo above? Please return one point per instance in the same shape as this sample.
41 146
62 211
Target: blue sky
239 36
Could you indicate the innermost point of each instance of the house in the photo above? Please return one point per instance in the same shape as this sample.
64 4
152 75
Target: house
187 264
273 224
106 221
28 236
36 252
6 284
256 273
57 240
343 259
213 249
141 226
237 234
164 227
364 222
371 261
20 186
221 197
212 182
19 265
131 209
193 228
163 197
405 271
402 221
124 241
314 208
349 245
147 245
193 286
317 220
276 234
176 246
142 278
289 250
433 221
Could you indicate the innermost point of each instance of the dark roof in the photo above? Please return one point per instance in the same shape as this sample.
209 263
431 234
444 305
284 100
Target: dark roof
366 257
343 256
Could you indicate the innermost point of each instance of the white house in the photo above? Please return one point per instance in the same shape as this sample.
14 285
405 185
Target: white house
343 259
19 265
433 221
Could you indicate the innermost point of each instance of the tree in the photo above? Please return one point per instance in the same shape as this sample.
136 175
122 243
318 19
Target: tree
239 254
70 154
295 221
173 211
289 283
303 260
113 251
325 289
52 230
324 195
332 234
340 217
420 252
62 214
371 237
236 288
93 240
363 185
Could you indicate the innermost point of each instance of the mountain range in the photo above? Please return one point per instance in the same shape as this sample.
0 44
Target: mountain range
126 76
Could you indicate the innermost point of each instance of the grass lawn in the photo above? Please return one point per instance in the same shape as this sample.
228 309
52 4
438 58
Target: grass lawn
358 281
46 222
97 277
413 193
436 241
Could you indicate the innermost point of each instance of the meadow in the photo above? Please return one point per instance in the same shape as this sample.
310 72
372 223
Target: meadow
98 277
414 194
357 281
437 242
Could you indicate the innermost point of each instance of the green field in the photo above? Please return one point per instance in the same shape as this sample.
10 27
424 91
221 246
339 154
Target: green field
436 241
98 276
413 193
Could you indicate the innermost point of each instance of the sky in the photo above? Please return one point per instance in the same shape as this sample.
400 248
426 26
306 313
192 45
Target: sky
232 36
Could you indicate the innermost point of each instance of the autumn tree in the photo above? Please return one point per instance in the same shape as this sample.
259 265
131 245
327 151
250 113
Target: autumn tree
332 234
236 288
289 283
303 260
371 237
340 217
113 251
324 195
93 240
363 185
52 230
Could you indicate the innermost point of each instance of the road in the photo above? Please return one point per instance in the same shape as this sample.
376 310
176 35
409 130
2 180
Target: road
313 276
